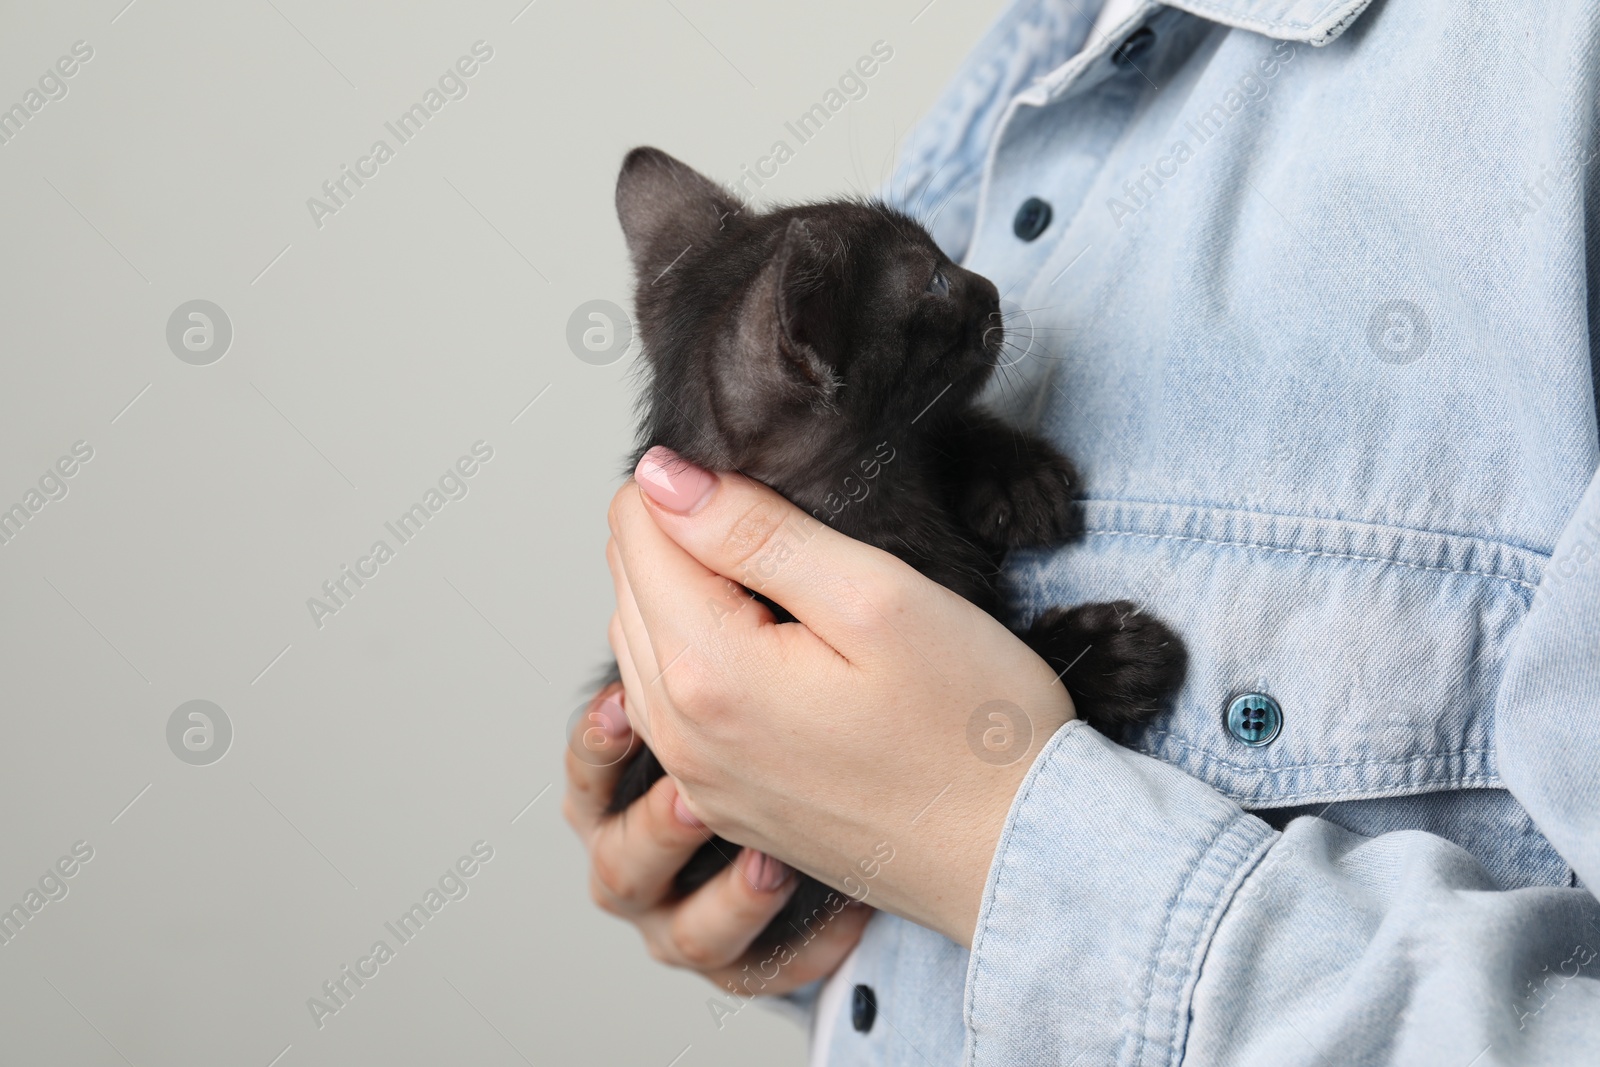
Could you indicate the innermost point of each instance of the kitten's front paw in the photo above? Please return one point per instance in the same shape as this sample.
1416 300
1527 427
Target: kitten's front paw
1120 665
1022 498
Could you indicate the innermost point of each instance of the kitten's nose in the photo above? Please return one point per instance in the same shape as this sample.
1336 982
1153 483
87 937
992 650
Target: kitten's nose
986 303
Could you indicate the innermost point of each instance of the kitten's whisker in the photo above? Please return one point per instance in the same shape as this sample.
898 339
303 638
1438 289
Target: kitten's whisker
1034 347
886 168
1030 328
855 162
960 187
1030 324
911 153
1040 351
882 209
927 185
1006 384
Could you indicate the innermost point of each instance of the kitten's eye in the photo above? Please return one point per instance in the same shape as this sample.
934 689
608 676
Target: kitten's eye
939 285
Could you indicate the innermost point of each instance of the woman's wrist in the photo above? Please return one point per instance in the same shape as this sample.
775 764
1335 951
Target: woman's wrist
934 871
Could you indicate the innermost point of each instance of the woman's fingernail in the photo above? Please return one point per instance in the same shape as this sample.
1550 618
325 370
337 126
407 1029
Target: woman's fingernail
766 873
613 719
672 481
685 816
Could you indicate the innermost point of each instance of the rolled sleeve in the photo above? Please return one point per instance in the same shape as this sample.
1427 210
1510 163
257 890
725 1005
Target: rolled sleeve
1135 916
1111 875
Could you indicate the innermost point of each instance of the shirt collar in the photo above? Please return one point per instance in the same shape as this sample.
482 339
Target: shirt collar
1314 22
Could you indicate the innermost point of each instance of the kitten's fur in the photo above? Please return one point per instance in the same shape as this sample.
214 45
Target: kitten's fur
803 346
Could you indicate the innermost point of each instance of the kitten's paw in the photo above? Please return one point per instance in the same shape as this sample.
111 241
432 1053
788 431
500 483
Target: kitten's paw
1022 497
1119 664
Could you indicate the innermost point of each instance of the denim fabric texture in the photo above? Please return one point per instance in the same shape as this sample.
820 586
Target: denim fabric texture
1313 318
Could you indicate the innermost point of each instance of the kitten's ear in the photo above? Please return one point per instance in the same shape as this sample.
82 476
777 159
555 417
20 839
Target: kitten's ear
667 207
804 309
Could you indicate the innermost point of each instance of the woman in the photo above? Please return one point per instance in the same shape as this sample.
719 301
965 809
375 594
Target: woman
1312 290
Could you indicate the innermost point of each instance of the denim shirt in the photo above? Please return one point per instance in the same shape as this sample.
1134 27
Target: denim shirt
1311 313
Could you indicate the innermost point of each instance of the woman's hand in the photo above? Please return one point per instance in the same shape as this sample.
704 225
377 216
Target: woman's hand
876 743
635 855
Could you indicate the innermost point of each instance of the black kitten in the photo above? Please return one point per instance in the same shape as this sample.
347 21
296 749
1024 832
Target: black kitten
833 352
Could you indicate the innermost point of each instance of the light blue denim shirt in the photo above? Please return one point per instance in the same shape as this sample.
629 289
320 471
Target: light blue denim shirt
1312 314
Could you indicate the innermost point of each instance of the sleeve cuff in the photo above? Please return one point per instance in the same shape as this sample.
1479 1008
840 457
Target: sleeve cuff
1110 877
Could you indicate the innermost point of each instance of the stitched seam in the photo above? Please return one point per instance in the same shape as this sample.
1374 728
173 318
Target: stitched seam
1230 510
1252 22
1163 735
1232 851
1307 552
1166 931
1251 857
1256 799
1339 27
1243 22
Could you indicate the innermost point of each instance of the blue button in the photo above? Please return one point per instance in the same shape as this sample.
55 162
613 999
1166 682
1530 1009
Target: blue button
863 1008
1255 719
1032 218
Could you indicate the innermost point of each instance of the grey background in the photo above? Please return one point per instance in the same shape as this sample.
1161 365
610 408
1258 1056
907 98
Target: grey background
367 356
